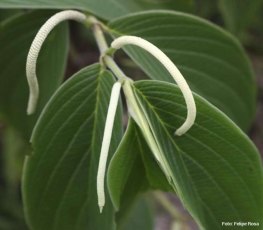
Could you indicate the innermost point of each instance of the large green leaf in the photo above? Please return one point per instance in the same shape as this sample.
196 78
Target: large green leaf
239 14
106 9
212 61
133 169
126 173
59 186
16 36
214 167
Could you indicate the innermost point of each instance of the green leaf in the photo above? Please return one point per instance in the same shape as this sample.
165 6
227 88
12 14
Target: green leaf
8 13
13 157
239 14
59 186
16 36
140 217
126 173
133 169
212 61
105 9
214 167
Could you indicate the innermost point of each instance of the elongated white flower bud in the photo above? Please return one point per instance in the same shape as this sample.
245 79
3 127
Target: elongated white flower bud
35 49
171 68
115 94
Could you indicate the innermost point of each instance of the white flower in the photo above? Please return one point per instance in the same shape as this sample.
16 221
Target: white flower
115 94
171 68
35 49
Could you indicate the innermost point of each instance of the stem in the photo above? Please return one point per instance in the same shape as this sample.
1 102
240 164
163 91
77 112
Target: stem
103 47
163 200
115 68
100 38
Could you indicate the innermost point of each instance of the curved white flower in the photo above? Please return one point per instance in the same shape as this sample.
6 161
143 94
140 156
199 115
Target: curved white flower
35 49
115 94
172 69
